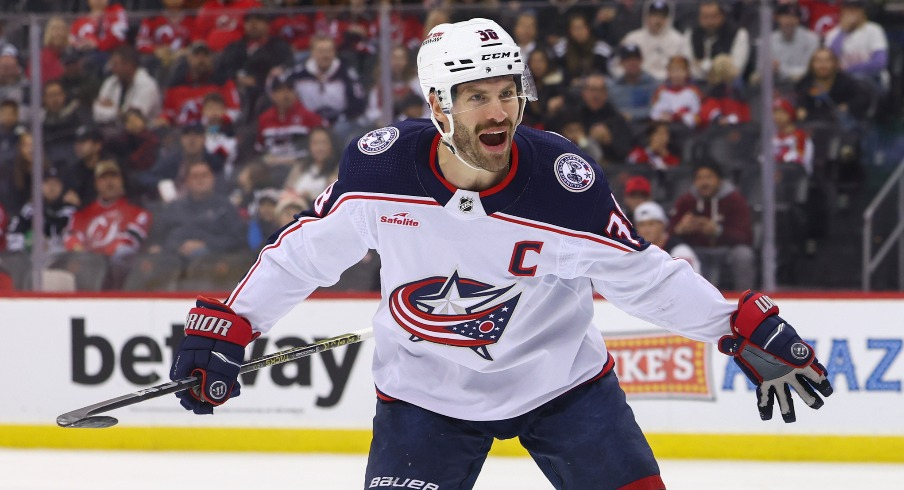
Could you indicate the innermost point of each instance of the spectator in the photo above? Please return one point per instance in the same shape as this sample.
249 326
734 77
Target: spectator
10 129
3 239
604 122
129 86
56 43
61 120
251 59
715 35
220 136
548 79
219 22
652 224
792 44
403 76
860 45
616 19
288 207
79 176
253 177
790 143
166 36
282 130
13 85
326 86
725 103
580 53
264 219
638 190
169 163
110 226
677 101
820 16
714 219
135 146
525 33
22 172
308 179
632 92
658 40
104 28
57 215
80 84
295 29
571 127
828 94
201 222
191 81
656 153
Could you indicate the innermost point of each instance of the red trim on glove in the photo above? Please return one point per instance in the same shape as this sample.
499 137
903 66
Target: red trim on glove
218 324
201 394
652 482
753 308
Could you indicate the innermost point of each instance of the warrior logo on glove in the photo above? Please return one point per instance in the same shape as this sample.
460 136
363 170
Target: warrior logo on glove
772 355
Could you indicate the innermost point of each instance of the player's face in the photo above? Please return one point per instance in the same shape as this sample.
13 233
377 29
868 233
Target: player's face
485 112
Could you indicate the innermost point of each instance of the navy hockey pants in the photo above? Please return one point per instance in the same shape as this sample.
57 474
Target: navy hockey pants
585 439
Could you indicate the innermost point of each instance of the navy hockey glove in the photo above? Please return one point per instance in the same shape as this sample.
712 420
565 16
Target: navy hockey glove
213 350
773 356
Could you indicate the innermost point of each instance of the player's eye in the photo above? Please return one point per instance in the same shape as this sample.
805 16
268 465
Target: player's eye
477 98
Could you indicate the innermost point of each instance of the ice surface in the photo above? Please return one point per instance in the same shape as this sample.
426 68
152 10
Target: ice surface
140 470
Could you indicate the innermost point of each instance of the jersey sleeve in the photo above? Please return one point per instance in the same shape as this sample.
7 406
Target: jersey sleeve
645 282
311 252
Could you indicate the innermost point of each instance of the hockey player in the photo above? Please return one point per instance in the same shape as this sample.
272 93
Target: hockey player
493 238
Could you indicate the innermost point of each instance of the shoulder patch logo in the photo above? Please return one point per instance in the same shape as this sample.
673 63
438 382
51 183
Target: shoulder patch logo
378 140
574 173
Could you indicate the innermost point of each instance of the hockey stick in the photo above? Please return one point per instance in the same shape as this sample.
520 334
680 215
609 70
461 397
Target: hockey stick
87 417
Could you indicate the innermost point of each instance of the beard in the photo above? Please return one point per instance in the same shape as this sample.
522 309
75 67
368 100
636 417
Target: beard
470 150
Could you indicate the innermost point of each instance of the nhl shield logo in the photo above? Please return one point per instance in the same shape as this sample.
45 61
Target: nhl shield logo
466 204
574 173
378 140
454 311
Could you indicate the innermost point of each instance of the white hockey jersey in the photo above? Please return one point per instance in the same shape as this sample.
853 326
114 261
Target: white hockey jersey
487 297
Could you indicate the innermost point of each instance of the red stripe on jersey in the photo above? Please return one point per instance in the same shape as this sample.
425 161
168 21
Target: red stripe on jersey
261 255
516 221
513 170
349 197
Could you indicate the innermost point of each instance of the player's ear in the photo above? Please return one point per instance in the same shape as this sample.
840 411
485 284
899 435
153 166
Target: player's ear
437 110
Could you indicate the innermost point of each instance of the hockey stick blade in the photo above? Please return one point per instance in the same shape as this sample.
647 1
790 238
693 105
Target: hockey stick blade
87 417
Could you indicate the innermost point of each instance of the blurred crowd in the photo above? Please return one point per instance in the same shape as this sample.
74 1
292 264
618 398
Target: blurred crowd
176 142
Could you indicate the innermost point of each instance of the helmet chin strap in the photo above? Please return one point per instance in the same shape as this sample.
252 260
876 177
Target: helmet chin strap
447 137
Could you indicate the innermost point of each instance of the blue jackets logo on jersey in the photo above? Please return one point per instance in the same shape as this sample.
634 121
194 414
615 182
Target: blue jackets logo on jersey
378 140
574 173
454 311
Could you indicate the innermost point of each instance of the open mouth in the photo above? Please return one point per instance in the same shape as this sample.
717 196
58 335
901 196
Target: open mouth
494 140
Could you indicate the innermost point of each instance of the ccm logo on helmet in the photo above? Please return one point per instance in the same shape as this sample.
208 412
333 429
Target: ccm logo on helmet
496 56
204 323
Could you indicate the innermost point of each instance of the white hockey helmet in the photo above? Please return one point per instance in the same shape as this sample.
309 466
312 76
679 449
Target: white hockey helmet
464 52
